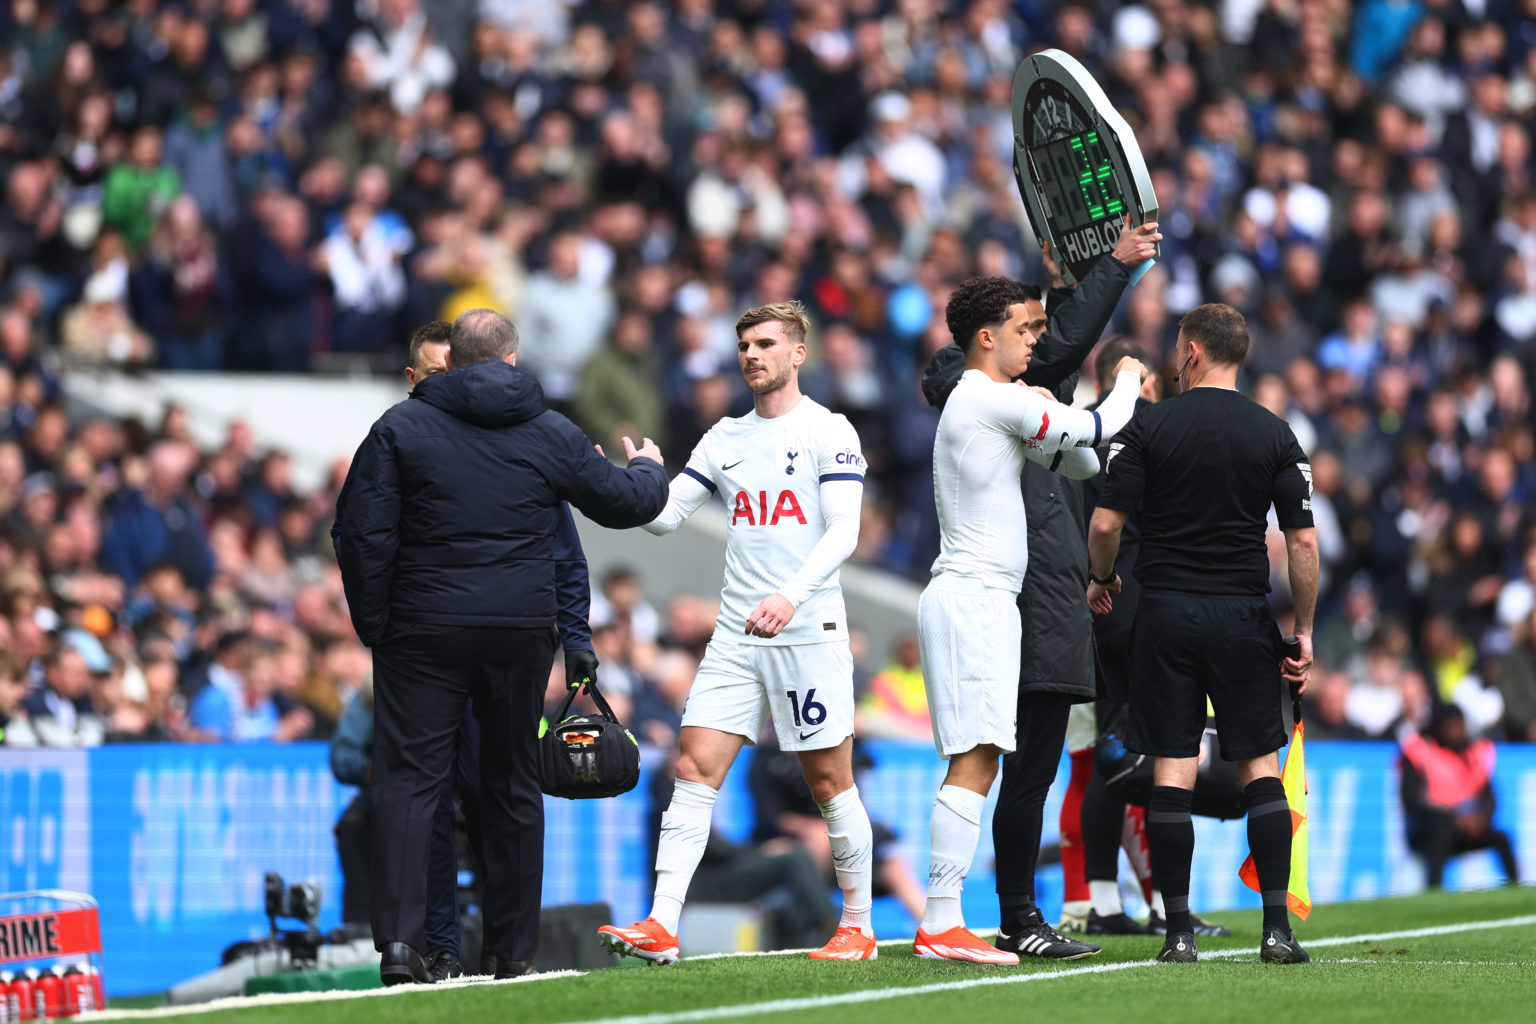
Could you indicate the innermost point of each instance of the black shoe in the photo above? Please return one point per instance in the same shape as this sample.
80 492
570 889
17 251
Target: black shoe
1198 925
442 965
402 965
1280 947
515 969
1116 924
1038 939
1179 948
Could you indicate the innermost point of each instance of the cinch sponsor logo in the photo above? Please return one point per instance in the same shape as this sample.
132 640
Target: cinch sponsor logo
22 938
849 459
1091 241
787 507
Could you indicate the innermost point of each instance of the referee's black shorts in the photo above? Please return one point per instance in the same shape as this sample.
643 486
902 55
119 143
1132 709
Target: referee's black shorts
1187 648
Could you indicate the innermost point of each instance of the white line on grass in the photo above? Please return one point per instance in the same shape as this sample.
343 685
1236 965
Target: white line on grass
876 995
783 1005
335 995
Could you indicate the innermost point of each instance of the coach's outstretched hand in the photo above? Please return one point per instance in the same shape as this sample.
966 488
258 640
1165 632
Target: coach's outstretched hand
647 450
770 616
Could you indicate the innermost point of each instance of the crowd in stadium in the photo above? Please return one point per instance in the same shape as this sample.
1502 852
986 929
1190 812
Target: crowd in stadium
287 185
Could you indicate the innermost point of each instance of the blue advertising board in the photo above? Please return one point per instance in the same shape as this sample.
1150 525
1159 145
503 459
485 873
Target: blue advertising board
173 841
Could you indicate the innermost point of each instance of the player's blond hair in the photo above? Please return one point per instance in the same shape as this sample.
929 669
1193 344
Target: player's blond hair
792 314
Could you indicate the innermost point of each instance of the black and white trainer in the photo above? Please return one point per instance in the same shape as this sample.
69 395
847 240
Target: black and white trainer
1198 925
1179 948
1038 939
1117 924
1280 947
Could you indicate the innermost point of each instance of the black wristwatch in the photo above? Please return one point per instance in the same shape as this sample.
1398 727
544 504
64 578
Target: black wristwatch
1103 583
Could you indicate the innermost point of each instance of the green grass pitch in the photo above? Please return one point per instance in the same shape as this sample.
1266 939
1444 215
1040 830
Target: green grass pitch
1479 973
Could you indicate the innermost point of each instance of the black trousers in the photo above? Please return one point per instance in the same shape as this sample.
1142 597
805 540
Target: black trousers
423 679
442 928
1437 838
1027 776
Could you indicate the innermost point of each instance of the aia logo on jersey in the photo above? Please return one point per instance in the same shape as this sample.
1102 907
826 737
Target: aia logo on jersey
1045 428
786 508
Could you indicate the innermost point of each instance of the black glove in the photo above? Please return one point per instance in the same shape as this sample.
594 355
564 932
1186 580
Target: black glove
580 668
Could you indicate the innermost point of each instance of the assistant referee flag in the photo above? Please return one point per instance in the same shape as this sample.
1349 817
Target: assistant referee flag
1294 778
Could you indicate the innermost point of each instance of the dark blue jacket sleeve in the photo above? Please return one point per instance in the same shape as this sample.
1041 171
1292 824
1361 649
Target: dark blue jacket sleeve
612 496
341 511
1076 325
573 587
369 536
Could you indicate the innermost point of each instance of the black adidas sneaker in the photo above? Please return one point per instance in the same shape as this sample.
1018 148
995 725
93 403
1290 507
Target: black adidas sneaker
1038 939
1117 924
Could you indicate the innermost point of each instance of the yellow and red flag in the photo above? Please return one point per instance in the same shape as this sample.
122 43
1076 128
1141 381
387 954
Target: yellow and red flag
1294 778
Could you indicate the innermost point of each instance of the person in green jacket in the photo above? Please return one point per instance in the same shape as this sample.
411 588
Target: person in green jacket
139 191
619 390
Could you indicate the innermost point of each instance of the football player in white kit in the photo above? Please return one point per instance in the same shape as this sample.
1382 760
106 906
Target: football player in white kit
968 621
792 476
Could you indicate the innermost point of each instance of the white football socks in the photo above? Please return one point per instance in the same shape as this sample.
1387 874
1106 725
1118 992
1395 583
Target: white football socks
684 834
1106 898
953 834
853 844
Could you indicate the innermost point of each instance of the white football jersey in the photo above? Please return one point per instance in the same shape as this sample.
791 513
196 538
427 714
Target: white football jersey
769 473
986 432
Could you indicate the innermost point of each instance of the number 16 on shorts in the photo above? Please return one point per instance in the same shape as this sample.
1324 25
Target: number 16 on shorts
812 712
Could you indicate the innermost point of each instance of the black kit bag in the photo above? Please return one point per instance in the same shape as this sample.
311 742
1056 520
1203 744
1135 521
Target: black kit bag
1128 775
583 757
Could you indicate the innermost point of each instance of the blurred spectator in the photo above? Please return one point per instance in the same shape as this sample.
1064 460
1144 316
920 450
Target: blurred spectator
240 701
1517 684
1448 799
99 330
140 190
363 261
195 150
62 713
619 390
15 727
183 292
158 521
563 320
895 704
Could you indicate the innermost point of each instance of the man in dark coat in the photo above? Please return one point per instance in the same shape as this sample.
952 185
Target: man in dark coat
1057 664
446 544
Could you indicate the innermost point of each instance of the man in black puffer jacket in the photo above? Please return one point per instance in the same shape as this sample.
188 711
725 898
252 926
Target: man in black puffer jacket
1057 664
447 549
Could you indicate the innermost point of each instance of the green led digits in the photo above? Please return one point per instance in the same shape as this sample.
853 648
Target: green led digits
1095 177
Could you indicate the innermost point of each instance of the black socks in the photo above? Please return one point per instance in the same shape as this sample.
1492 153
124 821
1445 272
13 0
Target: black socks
1171 842
1269 840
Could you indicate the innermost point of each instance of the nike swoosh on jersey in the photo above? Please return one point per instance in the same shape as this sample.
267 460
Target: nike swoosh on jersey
732 465
807 735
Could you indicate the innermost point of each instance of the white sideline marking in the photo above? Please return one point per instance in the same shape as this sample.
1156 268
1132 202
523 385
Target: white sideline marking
876 995
336 995
806 1003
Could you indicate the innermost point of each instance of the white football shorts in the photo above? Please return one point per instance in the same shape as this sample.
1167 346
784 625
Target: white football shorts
807 688
970 636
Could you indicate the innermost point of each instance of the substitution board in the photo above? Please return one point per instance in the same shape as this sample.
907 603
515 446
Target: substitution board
1079 167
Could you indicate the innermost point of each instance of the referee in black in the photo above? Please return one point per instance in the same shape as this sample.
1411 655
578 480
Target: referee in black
447 548
1202 470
